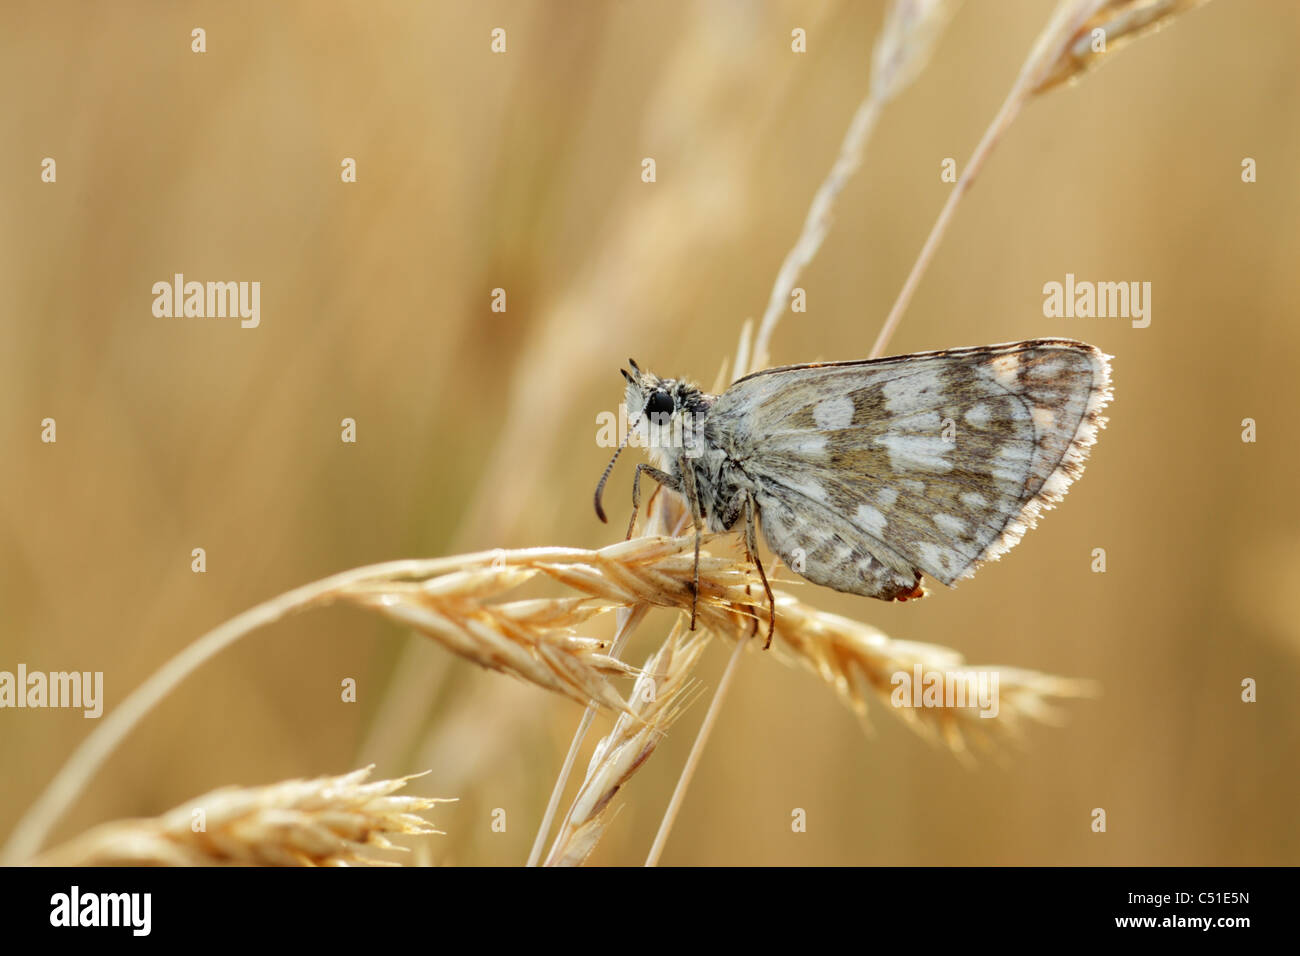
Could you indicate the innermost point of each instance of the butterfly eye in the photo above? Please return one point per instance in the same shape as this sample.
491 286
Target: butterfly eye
660 403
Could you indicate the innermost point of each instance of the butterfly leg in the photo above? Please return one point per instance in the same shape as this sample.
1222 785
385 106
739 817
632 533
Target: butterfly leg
730 514
662 477
751 545
693 501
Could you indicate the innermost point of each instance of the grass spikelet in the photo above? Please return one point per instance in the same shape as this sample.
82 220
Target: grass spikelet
661 693
538 640
1068 48
326 821
859 661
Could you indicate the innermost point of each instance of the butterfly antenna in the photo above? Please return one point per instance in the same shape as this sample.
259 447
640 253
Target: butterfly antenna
600 487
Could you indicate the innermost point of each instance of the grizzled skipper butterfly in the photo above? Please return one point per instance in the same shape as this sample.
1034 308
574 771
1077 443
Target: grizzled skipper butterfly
864 475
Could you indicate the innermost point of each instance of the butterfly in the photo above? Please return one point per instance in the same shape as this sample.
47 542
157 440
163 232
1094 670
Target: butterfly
865 475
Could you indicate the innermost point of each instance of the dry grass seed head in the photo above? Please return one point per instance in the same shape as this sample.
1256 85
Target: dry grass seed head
859 661
327 821
662 692
1070 46
539 640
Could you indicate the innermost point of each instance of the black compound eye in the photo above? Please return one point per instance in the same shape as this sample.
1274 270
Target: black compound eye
660 403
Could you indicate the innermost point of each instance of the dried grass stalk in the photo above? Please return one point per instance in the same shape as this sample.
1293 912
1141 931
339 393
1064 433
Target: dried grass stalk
455 601
538 640
1062 51
535 639
906 41
1065 51
328 821
858 661
661 694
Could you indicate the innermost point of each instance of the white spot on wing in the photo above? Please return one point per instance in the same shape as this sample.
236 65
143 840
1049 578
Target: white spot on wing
1047 368
977 416
886 497
936 559
919 390
869 519
950 525
974 500
917 453
834 413
1011 464
1005 369
806 443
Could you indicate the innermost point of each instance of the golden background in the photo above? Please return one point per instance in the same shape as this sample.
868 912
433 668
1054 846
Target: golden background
477 429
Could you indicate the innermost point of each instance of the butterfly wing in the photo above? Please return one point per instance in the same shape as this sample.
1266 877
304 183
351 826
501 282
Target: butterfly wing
868 473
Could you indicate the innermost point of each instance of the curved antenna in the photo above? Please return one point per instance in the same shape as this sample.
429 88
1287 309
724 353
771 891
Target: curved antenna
600 487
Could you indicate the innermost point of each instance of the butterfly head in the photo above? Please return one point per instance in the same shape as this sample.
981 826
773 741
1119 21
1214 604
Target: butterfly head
666 414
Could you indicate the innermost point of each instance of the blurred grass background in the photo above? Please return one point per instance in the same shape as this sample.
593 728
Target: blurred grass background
477 429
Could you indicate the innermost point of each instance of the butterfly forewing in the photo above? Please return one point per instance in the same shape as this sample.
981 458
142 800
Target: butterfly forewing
868 472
